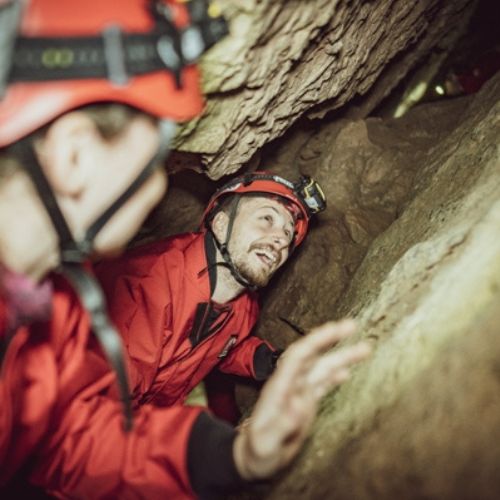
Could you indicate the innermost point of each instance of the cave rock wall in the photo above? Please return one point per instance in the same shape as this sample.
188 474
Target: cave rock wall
285 59
410 246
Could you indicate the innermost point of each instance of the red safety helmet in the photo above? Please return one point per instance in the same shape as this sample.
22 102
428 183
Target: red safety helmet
303 199
122 29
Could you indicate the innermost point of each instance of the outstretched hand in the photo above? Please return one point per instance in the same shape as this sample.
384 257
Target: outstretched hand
288 403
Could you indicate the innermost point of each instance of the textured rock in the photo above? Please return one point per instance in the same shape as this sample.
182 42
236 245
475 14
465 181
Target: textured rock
367 169
421 419
286 59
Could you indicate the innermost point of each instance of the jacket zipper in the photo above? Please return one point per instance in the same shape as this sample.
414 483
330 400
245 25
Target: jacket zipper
228 346
147 396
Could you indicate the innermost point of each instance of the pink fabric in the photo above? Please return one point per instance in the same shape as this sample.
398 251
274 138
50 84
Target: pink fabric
25 301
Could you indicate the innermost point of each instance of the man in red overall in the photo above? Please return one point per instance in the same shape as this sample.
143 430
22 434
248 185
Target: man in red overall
187 305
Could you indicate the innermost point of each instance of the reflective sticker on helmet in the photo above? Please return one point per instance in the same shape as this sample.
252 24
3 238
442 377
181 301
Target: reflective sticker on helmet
288 184
232 188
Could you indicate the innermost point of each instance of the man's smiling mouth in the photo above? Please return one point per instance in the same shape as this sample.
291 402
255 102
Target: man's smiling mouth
269 257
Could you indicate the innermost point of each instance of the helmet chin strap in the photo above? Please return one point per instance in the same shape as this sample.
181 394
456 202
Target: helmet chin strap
73 253
167 131
77 251
223 249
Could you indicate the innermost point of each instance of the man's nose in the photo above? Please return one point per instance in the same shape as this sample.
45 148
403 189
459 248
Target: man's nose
280 239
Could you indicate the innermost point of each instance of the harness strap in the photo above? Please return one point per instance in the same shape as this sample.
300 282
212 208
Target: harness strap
40 59
223 248
114 55
93 301
74 253
167 131
24 151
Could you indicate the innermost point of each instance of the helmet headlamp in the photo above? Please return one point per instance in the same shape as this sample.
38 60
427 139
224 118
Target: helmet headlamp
311 194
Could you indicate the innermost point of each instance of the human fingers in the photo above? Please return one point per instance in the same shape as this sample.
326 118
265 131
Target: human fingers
294 367
300 356
287 406
319 340
334 368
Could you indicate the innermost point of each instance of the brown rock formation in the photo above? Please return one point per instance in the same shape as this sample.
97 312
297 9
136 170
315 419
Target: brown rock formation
421 419
288 58
410 246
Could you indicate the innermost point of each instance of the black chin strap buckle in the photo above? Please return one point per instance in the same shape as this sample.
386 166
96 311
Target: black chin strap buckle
76 252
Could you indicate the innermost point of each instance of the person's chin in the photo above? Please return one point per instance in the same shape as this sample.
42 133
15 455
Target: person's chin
260 279
253 277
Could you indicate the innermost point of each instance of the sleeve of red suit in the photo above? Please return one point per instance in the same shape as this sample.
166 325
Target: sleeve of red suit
144 281
254 358
176 452
61 412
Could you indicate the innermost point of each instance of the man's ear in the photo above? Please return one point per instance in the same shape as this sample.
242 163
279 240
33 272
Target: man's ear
219 225
68 141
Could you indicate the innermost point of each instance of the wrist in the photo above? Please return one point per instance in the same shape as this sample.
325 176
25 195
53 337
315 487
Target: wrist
275 356
245 460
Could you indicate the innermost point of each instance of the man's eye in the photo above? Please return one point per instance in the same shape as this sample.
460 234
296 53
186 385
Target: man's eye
268 218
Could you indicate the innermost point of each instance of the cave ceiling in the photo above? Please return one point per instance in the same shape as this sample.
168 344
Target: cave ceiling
289 59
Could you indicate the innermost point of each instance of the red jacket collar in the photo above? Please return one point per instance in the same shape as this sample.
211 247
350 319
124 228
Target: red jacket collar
200 255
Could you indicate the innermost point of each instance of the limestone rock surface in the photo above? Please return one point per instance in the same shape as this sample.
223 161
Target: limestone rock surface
285 59
410 246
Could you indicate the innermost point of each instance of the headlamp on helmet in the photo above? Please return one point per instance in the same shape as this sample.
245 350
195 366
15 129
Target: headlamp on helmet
306 196
311 193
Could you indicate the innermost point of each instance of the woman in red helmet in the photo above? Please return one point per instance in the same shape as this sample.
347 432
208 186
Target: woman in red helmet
89 96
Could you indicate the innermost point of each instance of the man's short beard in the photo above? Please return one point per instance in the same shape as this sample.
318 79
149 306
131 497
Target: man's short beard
258 279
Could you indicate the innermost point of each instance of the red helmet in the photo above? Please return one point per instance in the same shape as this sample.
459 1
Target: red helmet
72 35
303 199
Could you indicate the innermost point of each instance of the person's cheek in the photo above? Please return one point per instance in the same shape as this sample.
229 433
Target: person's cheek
122 227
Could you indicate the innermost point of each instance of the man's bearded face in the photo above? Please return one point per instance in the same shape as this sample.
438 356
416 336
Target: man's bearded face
260 241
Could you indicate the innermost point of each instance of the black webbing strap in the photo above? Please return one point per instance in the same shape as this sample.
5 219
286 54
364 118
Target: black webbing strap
73 253
50 58
24 151
211 254
116 55
223 247
166 130
112 55
232 216
93 301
